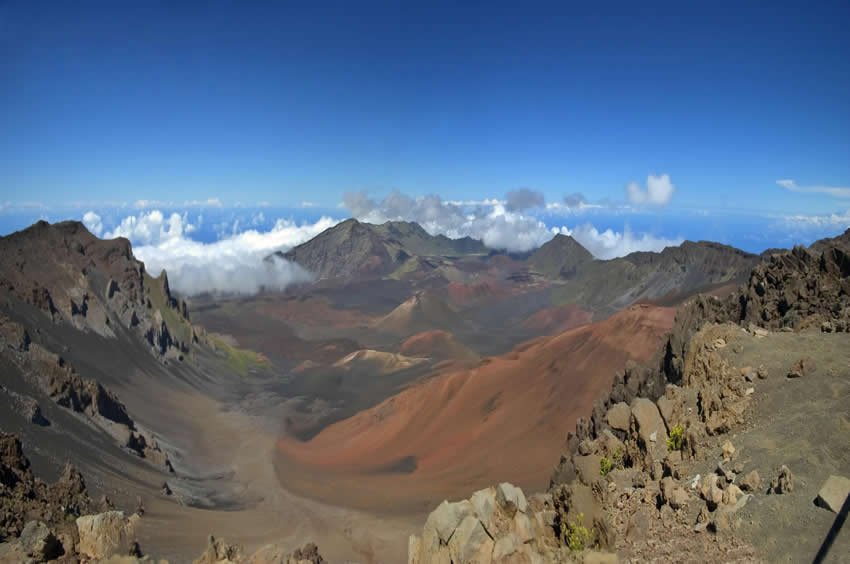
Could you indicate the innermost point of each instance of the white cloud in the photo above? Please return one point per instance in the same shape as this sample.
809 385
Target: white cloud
151 228
493 224
307 204
231 265
93 223
610 244
28 206
834 191
473 203
149 204
143 204
659 191
258 219
575 203
826 220
208 203
524 199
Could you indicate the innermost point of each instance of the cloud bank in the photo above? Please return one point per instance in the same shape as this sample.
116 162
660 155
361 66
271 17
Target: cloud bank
659 191
841 220
496 225
93 222
524 199
491 222
233 264
610 244
834 191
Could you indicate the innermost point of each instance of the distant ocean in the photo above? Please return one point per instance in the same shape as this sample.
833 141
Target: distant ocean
750 232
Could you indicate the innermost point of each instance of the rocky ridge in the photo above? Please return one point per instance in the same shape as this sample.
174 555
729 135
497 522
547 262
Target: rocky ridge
619 487
24 498
72 277
59 381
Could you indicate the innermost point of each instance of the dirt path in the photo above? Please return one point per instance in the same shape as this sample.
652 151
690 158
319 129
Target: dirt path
235 451
803 423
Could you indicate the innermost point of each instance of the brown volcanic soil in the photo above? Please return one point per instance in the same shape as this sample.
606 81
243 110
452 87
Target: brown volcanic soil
803 423
462 293
312 310
421 312
557 319
258 326
437 344
462 430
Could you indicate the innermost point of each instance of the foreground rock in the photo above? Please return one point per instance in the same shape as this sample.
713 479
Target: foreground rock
833 494
219 551
24 497
106 534
635 451
499 525
783 482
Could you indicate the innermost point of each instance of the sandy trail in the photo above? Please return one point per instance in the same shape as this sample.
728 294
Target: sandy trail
239 447
803 423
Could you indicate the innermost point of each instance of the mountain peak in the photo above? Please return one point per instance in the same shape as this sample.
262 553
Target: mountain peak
354 249
559 257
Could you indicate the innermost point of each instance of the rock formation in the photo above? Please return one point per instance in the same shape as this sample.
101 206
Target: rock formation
23 497
220 552
93 284
623 464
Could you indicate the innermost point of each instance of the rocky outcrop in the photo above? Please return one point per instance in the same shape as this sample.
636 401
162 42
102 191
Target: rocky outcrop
37 543
499 525
783 482
26 406
834 493
92 284
58 380
61 382
24 497
658 416
800 288
219 551
106 534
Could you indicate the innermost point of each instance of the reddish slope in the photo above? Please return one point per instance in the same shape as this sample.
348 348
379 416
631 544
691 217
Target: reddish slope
421 312
437 344
557 319
502 420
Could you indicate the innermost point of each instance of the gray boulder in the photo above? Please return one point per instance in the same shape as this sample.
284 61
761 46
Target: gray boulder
833 493
106 534
619 416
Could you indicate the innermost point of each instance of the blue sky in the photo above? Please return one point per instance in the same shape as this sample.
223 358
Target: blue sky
283 102
729 120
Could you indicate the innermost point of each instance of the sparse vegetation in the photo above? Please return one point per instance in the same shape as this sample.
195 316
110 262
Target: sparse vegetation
578 537
617 457
607 464
180 329
241 361
676 439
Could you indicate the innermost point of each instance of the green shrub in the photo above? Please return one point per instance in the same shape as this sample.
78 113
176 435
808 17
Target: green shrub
676 439
578 536
605 466
617 458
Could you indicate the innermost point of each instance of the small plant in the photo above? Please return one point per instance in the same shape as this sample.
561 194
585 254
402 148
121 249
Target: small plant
605 466
617 457
578 536
676 439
